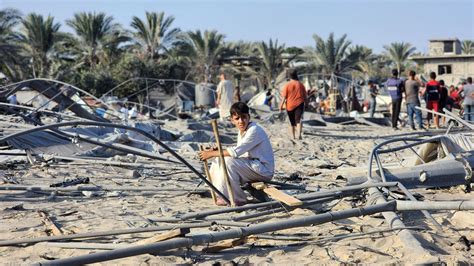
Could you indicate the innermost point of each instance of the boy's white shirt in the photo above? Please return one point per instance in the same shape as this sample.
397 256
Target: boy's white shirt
254 144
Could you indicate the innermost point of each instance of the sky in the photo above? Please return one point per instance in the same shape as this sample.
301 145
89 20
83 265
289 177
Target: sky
373 23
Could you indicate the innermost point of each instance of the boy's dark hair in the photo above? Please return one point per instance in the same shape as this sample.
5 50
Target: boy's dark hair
294 74
412 73
239 108
432 75
394 72
469 80
441 82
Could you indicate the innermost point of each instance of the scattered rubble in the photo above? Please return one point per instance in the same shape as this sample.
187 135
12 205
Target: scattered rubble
136 188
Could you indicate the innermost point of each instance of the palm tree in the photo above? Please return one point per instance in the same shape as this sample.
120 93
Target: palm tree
365 65
238 48
205 51
398 53
155 33
39 38
9 50
332 54
271 55
99 37
467 47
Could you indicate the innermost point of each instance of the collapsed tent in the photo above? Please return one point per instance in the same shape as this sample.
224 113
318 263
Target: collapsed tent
64 97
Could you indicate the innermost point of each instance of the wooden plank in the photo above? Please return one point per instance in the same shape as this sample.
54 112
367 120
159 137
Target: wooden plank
52 227
163 236
277 194
225 244
259 185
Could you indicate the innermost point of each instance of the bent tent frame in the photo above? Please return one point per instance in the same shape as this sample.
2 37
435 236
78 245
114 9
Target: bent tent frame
103 124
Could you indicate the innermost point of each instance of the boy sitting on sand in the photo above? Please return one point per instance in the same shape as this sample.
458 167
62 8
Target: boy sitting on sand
249 161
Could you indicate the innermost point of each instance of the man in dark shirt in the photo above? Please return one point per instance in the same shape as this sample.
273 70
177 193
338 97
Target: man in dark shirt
432 98
443 99
412 89
395 87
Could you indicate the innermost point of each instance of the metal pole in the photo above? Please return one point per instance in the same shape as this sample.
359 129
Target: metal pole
460 205
15 242
223 235
441 173
91 188
394 221
425 213
59 82
314 195
104 124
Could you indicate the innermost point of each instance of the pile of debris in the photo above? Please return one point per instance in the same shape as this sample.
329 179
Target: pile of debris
72 185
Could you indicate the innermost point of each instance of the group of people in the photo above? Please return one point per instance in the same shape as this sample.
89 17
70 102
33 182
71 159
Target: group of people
435 93
293 100
252 158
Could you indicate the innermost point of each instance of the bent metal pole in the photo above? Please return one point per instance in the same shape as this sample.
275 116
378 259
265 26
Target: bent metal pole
200 239
105 124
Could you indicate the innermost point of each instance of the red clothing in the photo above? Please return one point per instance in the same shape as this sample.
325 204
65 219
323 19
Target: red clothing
455 95
295 94
432 90
432 105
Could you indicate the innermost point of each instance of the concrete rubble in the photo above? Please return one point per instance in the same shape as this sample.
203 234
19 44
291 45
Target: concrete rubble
80 188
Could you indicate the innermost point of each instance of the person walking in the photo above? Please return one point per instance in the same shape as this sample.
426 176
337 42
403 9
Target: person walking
396 88
468 102
412 99
294 97
373 91
225 95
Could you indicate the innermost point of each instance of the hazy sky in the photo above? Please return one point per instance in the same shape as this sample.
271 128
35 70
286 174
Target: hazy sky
373 23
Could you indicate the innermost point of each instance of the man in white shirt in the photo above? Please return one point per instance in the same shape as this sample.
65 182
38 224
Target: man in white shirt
225 95
250 160
468 102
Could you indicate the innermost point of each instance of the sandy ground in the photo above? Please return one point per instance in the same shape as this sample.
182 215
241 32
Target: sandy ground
320 160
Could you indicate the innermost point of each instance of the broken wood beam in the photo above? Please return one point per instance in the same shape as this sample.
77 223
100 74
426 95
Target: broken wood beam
50 224
163 236
277 194
226 244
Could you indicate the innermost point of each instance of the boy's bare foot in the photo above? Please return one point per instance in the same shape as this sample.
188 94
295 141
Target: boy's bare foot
221 202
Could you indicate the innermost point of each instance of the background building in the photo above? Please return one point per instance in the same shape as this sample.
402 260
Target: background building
447 61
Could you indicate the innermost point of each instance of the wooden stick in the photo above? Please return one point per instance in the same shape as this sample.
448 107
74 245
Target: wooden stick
208 175
229 243
163 236
55 230
222 162
277 194
225 244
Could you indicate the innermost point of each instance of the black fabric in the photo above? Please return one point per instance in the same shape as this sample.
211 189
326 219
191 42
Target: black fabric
443 99
433 93
396 106
296 114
